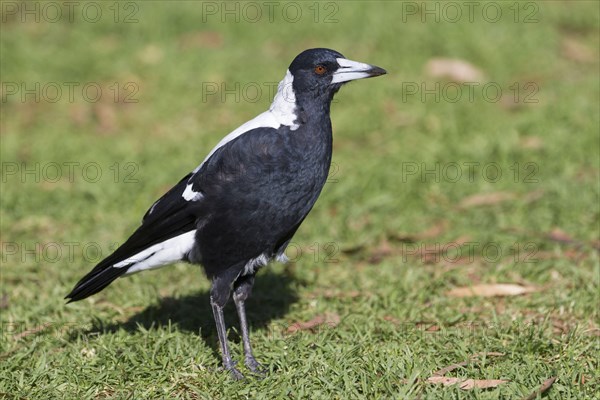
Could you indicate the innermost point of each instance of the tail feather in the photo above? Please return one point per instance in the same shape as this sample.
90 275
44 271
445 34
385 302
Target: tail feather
102 275
165 236
129 259
94 282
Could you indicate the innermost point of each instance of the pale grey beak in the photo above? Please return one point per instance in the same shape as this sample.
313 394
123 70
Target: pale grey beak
351 70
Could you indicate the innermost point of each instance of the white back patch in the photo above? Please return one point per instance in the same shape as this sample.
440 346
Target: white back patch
281 112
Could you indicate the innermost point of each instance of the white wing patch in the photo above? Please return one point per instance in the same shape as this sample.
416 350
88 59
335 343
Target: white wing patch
167 252
190 195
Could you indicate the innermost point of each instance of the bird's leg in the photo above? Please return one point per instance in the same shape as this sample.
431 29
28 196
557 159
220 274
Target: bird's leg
241 291
218 298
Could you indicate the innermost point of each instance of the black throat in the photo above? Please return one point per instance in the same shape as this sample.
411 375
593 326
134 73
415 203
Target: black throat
313 106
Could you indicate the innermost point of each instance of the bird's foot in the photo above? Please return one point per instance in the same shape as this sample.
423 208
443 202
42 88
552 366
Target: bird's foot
255 366
234 372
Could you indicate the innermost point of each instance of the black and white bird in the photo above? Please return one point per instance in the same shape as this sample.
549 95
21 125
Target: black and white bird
240 207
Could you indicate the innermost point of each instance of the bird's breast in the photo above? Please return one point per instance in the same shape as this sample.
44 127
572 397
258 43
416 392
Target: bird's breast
260 194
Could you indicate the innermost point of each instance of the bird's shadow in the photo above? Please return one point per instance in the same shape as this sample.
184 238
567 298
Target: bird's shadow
271 298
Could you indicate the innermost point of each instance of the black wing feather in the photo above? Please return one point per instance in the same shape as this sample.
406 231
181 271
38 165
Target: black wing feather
168 217
236 181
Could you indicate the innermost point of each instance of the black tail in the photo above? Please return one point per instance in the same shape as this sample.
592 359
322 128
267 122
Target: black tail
104 273
96 280
169 217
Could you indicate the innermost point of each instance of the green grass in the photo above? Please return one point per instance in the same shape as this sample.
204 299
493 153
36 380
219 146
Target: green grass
152 335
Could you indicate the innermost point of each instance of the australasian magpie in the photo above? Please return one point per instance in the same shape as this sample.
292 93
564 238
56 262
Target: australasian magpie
240 207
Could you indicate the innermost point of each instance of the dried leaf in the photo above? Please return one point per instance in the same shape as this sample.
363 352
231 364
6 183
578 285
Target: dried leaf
508 102
575 255
353 249
336 294
486 199
434 231
330 319
201 40
488 354
459 241
577 51
106 115
444 380
593 332
79 114
542 389
491 290
466 384
33 331
558 235
534 196
151 54
453 69
393 320
452 263
4 301
382 251
532 142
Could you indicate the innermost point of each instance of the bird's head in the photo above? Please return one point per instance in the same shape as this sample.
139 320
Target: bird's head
324 71
312 79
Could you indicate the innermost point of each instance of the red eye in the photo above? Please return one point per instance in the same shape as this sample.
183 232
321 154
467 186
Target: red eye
319 69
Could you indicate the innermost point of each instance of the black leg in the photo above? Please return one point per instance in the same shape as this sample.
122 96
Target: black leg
218 298
241 291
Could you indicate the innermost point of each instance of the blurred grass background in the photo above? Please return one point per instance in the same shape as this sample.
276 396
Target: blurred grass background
357 255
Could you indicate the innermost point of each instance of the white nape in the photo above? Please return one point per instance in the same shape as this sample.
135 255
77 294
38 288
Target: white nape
284 104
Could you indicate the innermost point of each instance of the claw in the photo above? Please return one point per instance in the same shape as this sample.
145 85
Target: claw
233 371
235 374
255 366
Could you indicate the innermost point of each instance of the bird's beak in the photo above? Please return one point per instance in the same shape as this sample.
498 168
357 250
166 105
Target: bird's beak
351 70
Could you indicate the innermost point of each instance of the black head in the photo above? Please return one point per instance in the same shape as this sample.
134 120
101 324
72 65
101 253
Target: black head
323 71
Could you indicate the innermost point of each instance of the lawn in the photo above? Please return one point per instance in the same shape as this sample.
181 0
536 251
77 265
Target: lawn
458 235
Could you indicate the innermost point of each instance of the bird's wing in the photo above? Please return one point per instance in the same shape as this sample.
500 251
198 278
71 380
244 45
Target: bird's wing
168 227
165 236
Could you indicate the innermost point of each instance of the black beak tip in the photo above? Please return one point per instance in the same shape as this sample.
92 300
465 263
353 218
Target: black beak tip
377 71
